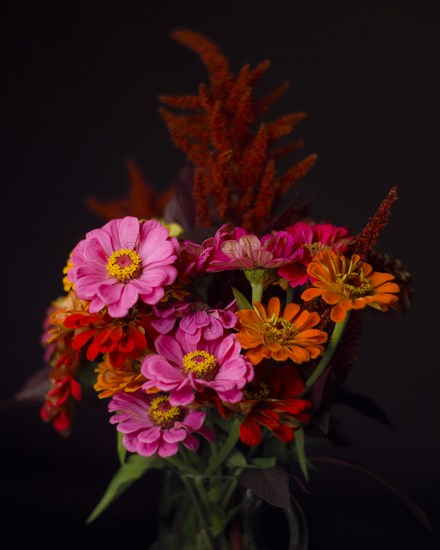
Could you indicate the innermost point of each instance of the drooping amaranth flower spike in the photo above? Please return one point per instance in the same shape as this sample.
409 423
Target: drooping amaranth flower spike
349 284
124 261
150 424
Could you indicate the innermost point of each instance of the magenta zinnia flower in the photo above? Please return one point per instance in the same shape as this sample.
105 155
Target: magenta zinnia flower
150 424
312 239
123 261
182 369
197 321
250 252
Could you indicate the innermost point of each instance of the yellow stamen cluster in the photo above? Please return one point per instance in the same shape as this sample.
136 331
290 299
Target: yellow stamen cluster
278 331
355 284
124 264
68 285
262 393
201 363
162 413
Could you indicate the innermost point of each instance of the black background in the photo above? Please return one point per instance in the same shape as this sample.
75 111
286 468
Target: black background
79 83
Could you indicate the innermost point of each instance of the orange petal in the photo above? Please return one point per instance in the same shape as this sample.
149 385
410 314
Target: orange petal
331 297
338 314
291 311
274 307
310 294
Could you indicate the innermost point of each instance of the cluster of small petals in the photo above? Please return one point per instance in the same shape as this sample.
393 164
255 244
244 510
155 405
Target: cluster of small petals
267 333
56 406
145 435
312 239
111 380
197 321
122 262
348 284
250 252
182 369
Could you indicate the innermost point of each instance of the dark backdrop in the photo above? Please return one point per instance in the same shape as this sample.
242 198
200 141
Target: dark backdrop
80 85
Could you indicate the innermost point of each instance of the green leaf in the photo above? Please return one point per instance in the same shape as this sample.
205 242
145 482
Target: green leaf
262 462
237 460
122 451
241 300
301 452
272 485
135 467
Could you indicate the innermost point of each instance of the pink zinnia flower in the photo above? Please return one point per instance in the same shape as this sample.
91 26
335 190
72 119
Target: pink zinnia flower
312 239
194 259
197 321
250 252
181 369
123 261
150 424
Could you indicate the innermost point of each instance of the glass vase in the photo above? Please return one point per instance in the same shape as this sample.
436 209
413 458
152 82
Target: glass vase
200 512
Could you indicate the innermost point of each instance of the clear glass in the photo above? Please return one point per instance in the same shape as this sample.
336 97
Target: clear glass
215 513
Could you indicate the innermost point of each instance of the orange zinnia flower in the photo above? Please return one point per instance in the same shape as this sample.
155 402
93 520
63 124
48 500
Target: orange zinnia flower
269 334
112 380
349 284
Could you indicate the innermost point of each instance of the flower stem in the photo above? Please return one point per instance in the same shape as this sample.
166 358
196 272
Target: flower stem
338 331
257 292
204 530
225 450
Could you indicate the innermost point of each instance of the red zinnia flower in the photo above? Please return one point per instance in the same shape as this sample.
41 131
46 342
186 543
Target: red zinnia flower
272 400
122 339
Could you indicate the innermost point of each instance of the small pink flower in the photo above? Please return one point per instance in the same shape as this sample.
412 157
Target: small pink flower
312 239
123 261
181 369
150 424
194 259
249 252
197 321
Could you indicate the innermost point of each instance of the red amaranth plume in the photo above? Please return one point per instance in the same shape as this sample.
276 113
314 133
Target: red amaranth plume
141 201
367 238
234 158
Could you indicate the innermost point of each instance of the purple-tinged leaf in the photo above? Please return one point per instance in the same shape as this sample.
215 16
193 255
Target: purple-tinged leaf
272 485
36 387
180 208
290 215
363 405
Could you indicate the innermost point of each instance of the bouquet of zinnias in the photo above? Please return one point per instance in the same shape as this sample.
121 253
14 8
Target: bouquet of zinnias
216 325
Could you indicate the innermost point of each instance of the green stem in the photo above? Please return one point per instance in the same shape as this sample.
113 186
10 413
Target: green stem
338 331
289 295
199 511
257 292
226 449
231 489
182 465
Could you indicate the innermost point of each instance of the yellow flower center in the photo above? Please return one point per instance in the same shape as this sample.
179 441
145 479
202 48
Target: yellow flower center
279 331
124 264
201 363
316 248
260 394
355 284
162 413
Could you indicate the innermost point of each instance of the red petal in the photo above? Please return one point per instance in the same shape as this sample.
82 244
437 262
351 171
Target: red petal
250 432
